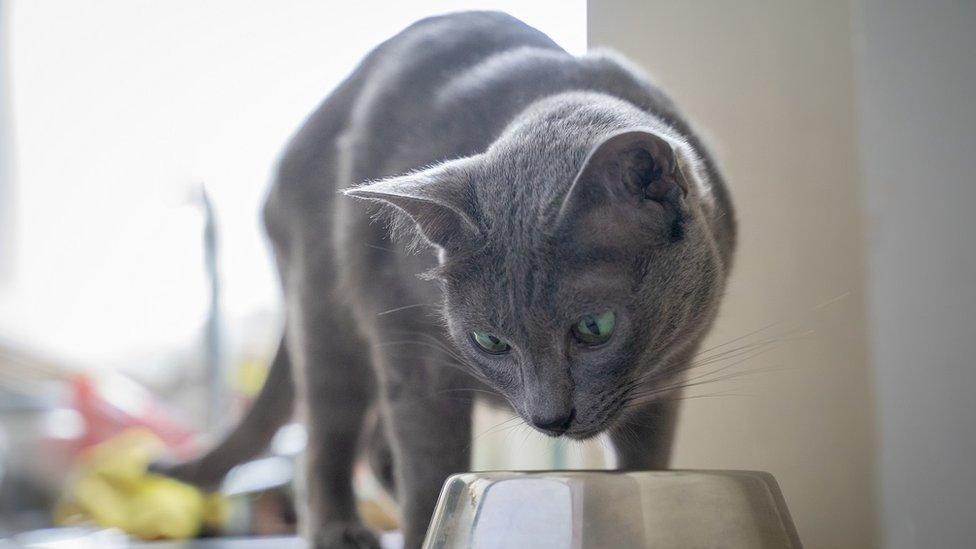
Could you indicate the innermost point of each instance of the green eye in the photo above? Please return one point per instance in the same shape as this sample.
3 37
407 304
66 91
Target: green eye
490 343
595 330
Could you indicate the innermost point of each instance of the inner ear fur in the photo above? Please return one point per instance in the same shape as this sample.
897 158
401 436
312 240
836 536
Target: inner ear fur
631 184
439 200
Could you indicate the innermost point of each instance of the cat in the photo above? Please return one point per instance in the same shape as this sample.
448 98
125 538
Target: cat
474 209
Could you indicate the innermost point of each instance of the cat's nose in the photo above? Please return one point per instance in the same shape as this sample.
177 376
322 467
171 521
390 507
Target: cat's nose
554 425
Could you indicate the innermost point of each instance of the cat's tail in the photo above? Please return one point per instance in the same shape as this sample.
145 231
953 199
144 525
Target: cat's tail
270 410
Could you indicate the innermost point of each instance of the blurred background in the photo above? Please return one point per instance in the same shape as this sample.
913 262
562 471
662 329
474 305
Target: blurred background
137 294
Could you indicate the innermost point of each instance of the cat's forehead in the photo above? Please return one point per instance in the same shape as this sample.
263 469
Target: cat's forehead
522 178
525 174
507 286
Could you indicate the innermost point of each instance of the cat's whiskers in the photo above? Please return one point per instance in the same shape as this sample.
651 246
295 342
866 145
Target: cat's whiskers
649 396
457 364
381 248
721 394
740 338
403 308
800 319
743 357
470 389
737 355
627 434
719 353
512 428
739 351
525 437
743 353
431 342
502 426
434 341
461 361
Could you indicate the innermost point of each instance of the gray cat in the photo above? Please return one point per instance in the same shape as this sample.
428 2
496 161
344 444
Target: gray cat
564 241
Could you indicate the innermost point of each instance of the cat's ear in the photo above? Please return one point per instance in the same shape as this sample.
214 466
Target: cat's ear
631 183
440 200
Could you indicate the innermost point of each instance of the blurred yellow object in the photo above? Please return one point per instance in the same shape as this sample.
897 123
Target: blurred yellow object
112 487
248 376
376 516
216 512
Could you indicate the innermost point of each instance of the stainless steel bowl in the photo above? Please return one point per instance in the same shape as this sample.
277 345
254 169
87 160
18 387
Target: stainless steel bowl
611 509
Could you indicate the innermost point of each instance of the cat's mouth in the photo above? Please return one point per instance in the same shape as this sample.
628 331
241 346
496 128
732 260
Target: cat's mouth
598 419
583 433
575 433
583 430
602 421
580 424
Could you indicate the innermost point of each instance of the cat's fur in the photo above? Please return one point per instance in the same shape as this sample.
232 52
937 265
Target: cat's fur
538 187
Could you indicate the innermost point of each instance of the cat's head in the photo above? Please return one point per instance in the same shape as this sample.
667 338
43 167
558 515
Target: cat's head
576 259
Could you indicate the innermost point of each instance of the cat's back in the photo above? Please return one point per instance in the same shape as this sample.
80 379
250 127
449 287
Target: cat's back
442 88
370 125
397 111
433 50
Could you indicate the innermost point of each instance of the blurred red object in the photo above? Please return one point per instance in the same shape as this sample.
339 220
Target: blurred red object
111 403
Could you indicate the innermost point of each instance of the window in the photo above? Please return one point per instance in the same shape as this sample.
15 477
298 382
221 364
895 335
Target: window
122 110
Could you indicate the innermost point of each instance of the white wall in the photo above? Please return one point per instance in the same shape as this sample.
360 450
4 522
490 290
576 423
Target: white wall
772 83
917 65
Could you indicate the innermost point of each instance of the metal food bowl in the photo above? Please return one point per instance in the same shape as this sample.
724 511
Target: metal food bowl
611 509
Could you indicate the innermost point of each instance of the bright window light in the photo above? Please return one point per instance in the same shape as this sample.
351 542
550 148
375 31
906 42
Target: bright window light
122 108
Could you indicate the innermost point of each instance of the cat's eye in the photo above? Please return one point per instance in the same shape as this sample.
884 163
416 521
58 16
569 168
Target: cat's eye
490 343
595 330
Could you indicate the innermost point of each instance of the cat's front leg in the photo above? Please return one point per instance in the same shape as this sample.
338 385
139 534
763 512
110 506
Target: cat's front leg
642 439
429 422
334 387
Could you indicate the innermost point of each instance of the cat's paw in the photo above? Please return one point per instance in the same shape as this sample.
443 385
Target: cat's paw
345 535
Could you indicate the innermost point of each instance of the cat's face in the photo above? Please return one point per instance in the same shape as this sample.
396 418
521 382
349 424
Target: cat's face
569 289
